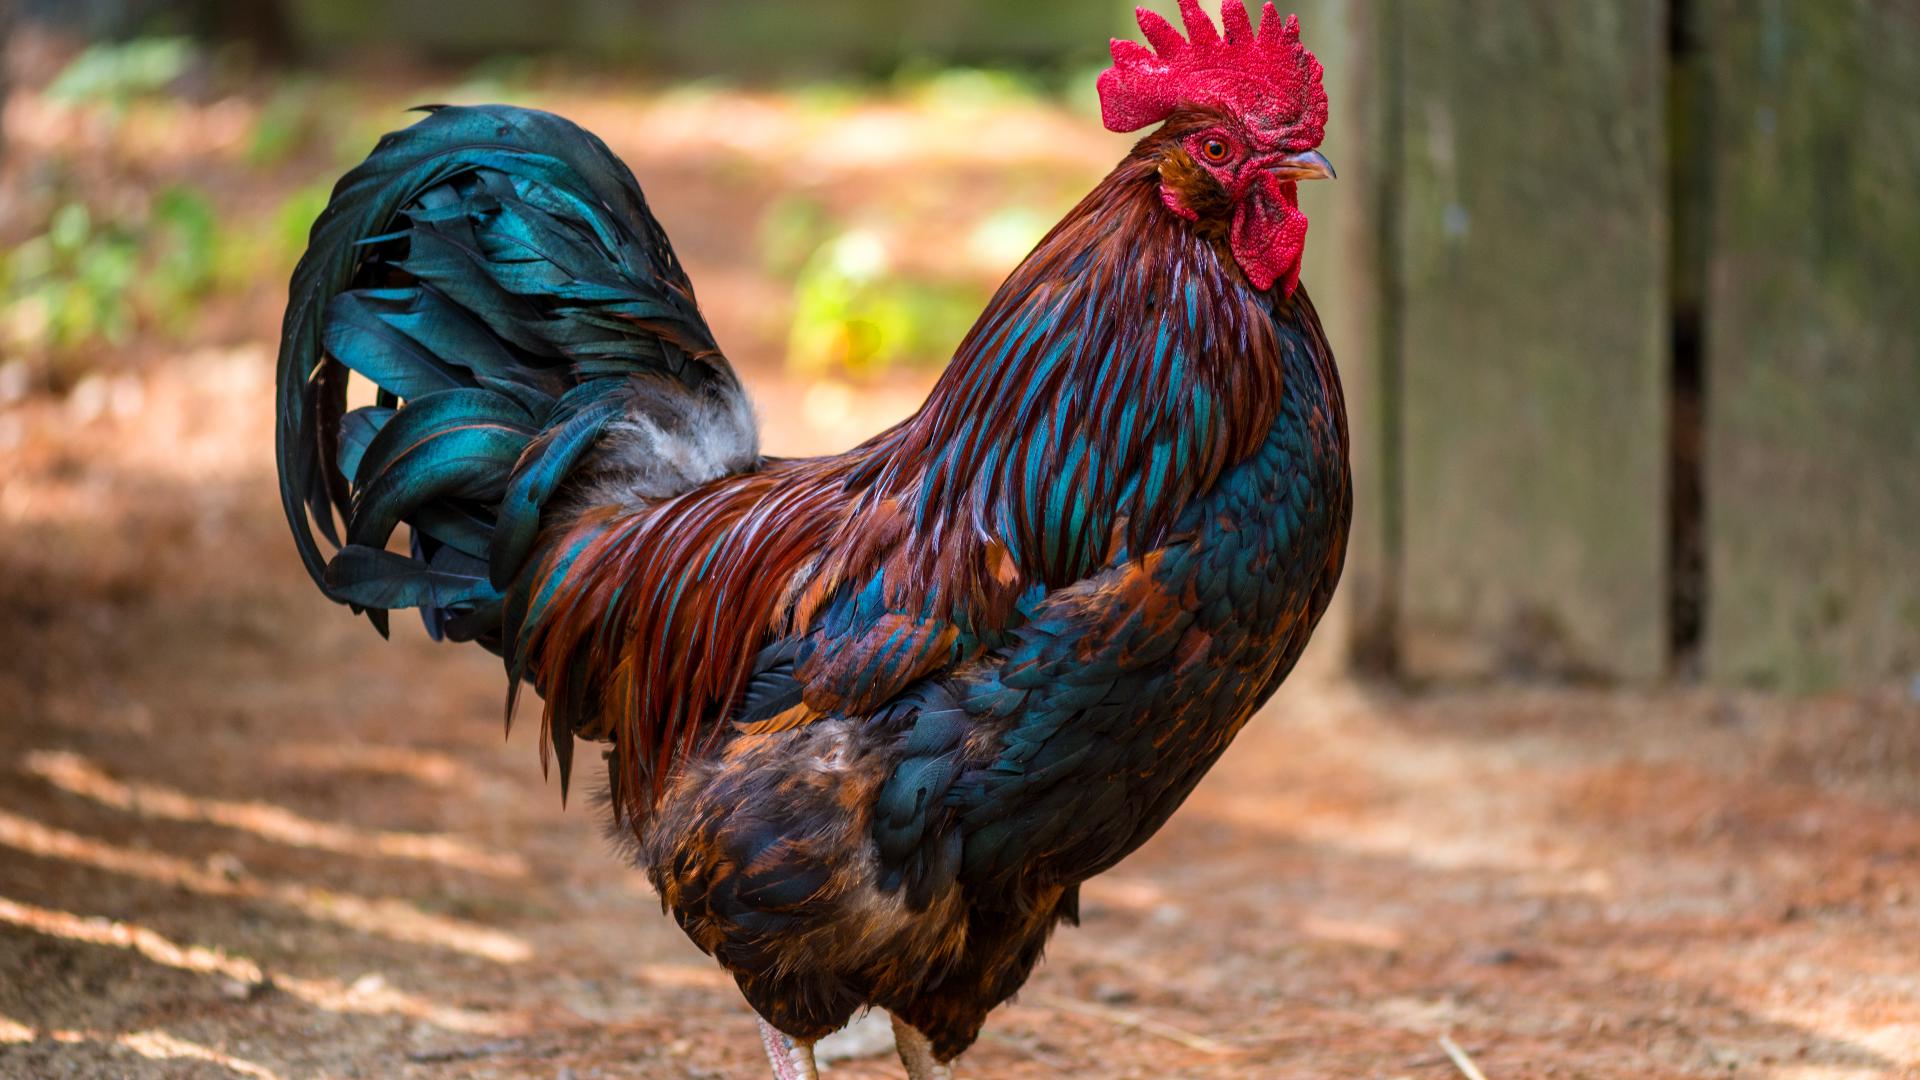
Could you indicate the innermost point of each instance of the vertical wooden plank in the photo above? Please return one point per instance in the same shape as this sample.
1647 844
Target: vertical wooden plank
1341 274
1813 344
1533 337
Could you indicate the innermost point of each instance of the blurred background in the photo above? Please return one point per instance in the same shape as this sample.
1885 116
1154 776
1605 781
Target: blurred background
1608 759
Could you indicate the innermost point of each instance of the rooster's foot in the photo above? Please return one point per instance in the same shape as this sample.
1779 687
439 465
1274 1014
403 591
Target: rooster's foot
791 1058
916 1053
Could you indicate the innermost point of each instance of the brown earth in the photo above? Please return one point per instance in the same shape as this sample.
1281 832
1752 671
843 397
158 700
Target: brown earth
236 822
241 836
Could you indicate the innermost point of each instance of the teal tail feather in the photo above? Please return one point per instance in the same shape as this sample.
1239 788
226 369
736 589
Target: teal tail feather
496 274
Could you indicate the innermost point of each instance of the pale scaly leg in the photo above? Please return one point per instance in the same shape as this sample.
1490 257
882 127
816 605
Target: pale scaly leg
916 1053
791 1058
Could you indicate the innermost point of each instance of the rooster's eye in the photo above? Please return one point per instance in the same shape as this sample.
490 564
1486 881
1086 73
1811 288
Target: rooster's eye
1215 150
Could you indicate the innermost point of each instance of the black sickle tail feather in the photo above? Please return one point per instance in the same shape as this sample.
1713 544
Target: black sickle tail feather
496 273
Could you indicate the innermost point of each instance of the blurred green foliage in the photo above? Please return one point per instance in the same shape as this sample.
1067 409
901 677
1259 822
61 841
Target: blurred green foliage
858 311
105 263
68 285
98 265
759 40
90 279
853 310
285 124
117 73
791 230
182 238
963 90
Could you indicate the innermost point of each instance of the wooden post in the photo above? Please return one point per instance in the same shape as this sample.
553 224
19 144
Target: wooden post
1533 337
1813 344
1344 275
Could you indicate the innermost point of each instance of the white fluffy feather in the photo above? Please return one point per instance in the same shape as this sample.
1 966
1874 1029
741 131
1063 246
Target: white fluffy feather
643 459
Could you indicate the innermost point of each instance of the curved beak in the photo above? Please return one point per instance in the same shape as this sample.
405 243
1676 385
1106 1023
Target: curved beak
1306 165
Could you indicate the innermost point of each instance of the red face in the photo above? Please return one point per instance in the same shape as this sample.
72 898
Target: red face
1260 177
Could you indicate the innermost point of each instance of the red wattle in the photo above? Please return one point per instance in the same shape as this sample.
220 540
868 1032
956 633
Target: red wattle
1269 234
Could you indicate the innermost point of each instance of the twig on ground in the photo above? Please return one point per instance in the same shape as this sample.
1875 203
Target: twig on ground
1129 1019
1460 1059
463 1053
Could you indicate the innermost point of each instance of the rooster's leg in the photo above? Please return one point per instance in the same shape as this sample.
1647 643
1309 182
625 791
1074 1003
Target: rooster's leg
916 1053
791 1058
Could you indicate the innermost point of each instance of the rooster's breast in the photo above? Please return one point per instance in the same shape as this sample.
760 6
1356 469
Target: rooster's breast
1121 691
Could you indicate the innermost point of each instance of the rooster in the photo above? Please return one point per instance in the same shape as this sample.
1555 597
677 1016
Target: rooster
870 719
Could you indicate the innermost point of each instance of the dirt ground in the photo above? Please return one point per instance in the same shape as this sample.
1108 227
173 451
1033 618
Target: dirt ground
240 836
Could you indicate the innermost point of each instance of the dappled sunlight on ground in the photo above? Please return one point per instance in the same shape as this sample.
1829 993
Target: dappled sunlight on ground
385 918
75 774
426 767
368 995
153 1045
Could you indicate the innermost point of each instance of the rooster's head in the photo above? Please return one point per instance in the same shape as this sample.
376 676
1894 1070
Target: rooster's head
1245 115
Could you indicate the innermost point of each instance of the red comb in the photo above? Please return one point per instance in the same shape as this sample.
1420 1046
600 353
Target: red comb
1268 79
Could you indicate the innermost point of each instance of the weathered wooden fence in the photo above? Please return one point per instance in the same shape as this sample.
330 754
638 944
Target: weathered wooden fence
1629 296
